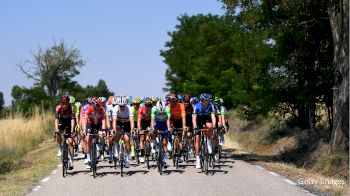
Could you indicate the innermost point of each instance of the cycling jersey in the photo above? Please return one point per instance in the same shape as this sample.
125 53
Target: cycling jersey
123 115
76 109
64 113
135 111
160 117
83 110
144 113
189 112
177 111
93 117
201 111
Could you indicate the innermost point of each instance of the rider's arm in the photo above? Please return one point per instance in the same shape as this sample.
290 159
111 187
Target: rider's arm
56 122
194 117
153 116
139 119
168 114
114 122
183 115
131 118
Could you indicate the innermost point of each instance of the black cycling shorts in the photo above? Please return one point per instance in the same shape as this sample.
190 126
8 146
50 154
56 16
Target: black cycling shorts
92 129
145 124
65 126
177 123
124 125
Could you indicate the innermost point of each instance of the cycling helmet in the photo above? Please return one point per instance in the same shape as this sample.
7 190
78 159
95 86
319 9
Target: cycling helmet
64 98
217 99
179 97
121 101
173 97
78 104
204 97
114 101
71 99
194 100
154 99
187 98
89 100
160 106
148 102
103 99
96 102
167 97
136 100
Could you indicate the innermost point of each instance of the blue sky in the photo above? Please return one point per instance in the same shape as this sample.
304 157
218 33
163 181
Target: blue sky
119 40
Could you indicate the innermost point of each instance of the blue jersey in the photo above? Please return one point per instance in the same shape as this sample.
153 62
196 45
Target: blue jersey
201 111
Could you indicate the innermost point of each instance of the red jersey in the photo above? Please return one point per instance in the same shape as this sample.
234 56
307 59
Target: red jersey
93 117
144 113
64 113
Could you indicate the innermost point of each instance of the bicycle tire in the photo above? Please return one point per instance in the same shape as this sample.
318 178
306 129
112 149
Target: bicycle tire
64 158
121 158
93 157
160 157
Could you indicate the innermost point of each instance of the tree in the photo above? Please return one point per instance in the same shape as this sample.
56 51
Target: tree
53 68
2 102
339 18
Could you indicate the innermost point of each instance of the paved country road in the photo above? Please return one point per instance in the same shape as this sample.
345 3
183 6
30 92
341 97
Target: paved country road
233 177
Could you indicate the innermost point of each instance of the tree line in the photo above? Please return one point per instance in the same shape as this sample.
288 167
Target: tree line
268 56
52 70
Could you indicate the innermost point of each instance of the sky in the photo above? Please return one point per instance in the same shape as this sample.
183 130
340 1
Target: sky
120 41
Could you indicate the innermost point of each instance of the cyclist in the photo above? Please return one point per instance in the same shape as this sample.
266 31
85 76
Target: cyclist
189 111
64 121
203 116
123 117
135 105
95 122
83 126
177 117
109 121
77 106
144 122
160 120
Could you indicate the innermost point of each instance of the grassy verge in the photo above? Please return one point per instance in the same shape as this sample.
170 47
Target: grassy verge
293 153
27 151
34 166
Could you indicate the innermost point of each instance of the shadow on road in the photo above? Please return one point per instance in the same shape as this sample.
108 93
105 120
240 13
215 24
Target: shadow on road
133 172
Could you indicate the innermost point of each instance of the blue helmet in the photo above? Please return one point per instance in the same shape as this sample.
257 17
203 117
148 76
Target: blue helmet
204 97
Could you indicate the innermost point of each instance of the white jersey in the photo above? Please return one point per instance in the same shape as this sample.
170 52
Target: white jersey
123 116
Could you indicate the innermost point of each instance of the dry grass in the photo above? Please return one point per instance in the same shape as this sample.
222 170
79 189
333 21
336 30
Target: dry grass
18 135
270 138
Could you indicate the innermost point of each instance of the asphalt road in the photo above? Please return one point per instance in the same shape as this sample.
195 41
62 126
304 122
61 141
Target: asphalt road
232 177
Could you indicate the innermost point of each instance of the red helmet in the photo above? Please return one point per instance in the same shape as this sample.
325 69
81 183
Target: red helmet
187 98
96 102
64 98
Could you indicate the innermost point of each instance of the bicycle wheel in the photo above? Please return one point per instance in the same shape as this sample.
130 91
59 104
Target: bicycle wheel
93 158
206 157
121 158
64 158
160 158
175 149
147 153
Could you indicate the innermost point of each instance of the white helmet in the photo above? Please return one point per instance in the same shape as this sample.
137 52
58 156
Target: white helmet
121 101
160 106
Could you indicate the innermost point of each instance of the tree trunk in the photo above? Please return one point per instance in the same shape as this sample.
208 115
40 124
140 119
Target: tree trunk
339 19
